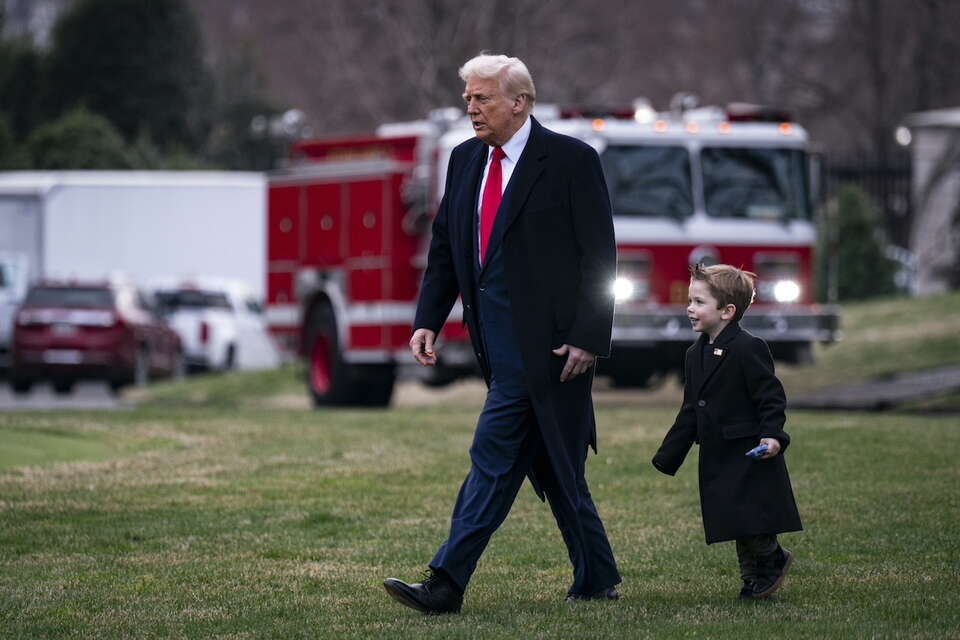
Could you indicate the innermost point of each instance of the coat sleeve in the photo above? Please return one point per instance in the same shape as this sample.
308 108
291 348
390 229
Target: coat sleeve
681 436
766 391
593 229
439 289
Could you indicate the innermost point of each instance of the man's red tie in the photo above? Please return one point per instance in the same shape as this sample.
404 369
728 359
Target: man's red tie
492 194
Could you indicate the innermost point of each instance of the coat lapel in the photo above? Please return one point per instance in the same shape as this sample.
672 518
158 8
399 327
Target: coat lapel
694 373
468 202
717 353
525 175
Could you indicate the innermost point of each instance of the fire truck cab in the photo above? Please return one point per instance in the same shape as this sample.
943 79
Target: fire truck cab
349 226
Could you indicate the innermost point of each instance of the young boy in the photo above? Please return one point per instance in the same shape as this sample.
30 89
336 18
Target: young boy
733 402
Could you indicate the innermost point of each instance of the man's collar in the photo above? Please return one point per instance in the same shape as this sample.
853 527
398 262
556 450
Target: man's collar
514 146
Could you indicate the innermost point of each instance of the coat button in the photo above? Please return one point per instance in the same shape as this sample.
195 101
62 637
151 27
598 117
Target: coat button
702 403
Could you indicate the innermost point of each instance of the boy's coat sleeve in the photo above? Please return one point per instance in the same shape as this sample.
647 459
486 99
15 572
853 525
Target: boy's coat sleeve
682 434
766 392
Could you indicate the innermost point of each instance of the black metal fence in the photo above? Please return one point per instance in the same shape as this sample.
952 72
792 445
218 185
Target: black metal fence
887 184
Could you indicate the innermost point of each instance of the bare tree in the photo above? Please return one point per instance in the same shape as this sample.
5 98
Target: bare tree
850 69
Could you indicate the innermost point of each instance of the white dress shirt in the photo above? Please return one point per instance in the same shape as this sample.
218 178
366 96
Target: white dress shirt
512 150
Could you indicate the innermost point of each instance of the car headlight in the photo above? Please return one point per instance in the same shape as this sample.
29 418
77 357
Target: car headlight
623 289
786 291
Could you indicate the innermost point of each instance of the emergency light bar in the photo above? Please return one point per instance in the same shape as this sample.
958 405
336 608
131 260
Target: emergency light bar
643 113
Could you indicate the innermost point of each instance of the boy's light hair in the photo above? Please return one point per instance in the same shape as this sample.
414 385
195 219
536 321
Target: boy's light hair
728 285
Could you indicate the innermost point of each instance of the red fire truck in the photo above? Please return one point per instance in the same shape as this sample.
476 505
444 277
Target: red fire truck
349 224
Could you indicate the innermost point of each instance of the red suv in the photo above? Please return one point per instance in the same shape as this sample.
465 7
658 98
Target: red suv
68 332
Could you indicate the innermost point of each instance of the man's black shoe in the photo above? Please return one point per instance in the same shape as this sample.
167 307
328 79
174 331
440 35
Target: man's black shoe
604 594
436 594
771 571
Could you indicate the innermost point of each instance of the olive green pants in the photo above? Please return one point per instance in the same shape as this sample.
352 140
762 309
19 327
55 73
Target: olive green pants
750 549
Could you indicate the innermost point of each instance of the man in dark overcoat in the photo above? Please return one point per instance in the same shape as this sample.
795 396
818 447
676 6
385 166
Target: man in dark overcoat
524 235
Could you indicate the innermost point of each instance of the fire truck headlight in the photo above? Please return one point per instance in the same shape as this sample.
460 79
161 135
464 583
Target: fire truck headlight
786 291
623 289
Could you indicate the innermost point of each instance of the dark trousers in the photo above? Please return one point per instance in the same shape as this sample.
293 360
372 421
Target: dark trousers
506 447
752 548
507 442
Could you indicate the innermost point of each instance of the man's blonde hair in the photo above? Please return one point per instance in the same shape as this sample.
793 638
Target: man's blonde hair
514 77
728 285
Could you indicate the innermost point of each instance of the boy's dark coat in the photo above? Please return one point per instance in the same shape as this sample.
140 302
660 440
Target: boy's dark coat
729 403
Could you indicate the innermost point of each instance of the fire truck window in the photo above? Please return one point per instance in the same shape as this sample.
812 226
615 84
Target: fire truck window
754 183
651 182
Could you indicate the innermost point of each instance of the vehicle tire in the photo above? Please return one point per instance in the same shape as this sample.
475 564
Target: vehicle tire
141 367
179 369
330 379
628 369
137 376
230 361
376 384
63 387
640 379
20 386
440 376
792 352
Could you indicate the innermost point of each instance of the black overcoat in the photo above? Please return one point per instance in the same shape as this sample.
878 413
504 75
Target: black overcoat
729 402
555 229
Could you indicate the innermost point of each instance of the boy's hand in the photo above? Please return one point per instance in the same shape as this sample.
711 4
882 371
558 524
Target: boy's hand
773 447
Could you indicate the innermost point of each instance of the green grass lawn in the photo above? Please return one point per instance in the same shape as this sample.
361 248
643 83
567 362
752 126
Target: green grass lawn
222 508
245 522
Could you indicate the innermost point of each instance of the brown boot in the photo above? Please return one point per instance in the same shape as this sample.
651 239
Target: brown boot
771 570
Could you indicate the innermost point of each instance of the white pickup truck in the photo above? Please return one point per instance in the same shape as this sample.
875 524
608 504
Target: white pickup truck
13 287
220 323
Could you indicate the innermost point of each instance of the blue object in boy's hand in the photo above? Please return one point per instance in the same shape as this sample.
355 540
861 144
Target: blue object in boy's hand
758 452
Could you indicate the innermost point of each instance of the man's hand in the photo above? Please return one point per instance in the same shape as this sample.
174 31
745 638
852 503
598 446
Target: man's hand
578 361
773 447
421 344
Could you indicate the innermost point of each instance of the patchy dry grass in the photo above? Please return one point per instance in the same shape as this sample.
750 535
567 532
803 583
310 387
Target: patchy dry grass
252 523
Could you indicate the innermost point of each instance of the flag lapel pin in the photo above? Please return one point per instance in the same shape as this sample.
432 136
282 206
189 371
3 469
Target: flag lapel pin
718 352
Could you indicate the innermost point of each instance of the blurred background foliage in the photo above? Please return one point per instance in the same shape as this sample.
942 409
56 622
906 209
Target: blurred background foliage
125 84
138 64
853 247
79 139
